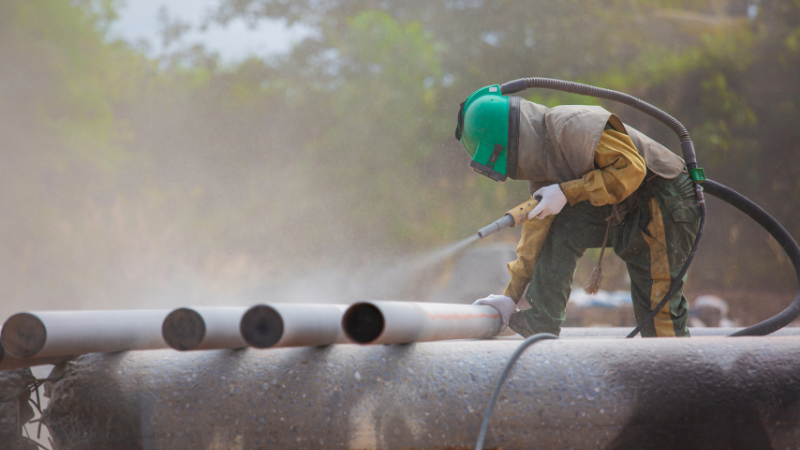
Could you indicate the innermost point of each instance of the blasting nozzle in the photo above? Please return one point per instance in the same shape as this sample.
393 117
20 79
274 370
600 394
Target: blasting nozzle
504 222
514 217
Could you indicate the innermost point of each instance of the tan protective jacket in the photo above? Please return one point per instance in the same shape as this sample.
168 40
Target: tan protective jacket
562 145
557 145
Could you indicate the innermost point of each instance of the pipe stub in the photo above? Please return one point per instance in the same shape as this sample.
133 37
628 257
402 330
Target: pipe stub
24 335
184 329
261 326
363 323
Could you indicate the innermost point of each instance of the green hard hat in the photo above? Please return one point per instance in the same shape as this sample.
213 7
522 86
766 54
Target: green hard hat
483 129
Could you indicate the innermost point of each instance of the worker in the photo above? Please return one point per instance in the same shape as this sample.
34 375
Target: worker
601 183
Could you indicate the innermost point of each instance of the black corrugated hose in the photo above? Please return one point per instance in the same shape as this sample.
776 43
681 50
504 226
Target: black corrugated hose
724 193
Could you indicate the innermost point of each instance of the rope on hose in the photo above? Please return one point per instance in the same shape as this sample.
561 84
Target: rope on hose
511 361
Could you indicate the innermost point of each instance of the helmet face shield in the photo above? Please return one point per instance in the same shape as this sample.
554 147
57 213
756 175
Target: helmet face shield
483 121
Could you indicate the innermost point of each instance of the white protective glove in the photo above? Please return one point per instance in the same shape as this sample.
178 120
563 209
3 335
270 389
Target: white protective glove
552 202
503 304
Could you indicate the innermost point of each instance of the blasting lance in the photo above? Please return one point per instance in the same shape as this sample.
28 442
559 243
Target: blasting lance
514 217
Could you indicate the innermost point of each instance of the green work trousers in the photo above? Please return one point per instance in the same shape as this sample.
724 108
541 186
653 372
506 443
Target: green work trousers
654 239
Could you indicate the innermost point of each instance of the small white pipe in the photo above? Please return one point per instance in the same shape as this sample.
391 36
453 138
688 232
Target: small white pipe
293 325
62 333
385 322
204 328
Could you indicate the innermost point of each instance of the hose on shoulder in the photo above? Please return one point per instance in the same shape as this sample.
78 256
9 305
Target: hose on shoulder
687 148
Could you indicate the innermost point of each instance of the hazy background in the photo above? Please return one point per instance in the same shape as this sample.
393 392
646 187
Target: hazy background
237 151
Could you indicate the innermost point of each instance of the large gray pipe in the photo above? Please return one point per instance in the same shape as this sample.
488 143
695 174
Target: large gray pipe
9 362
293 325
204 328
709 393
63 333
385 322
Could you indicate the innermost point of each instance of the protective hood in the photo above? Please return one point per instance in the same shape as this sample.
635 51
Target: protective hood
556 145
484 124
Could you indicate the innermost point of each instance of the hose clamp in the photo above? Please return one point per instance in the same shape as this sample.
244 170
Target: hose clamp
698 175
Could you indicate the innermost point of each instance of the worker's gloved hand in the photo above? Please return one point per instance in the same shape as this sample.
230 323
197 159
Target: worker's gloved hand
503 304
552 202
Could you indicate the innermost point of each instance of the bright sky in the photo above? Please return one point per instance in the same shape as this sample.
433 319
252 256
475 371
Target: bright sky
139 21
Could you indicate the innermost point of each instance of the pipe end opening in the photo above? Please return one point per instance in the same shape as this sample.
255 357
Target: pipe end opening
183 329
261 326
363 323
24 335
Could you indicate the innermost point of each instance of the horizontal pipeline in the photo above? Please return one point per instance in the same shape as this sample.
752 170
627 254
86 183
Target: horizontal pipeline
293 325
63 333
384 322
657 394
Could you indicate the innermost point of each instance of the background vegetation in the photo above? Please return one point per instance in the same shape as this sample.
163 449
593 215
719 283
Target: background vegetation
129 180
